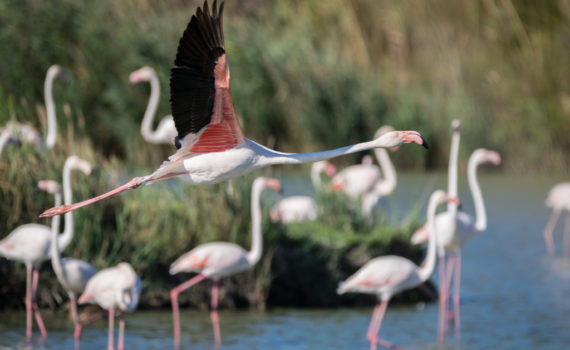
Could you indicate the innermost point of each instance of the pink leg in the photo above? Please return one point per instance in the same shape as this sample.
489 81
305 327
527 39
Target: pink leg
214 314
375 323
566 235
121 345
449 276
29 303
110 341
548 240
39 321
175 310
456 294
442 300
79 326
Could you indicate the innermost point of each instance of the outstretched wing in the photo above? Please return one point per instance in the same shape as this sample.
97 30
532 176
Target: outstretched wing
200 99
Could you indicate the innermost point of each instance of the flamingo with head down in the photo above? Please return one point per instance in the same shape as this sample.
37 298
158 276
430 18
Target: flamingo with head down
558 199
388 275
211 145
221 259
302 208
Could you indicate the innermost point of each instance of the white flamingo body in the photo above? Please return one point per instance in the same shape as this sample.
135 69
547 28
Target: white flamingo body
28 244
166 130
559 197
559 200
357 180
220 259
77 273
212 147
388 275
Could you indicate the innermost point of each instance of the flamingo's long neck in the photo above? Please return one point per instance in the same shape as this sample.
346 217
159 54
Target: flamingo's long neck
480 212
254 254
315 175
146 126
388 183
65 238
425 271
274 157
50 108
452 170
54 249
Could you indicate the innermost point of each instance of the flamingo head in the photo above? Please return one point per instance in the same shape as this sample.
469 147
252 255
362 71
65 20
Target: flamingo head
49 186
456 125
493 157
330 169
396 138
420 236
55 71
142 74
274 184
78 163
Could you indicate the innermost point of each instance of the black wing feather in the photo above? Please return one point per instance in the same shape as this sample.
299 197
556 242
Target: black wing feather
192 88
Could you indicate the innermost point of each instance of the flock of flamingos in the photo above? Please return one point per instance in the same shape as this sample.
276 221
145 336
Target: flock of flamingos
212 148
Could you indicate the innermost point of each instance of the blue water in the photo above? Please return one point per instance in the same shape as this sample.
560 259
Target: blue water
513 295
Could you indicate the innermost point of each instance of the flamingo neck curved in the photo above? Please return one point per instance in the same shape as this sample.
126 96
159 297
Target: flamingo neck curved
425 271
67 235
452 170
54 248
480 212
146 126
387 185
254 254
50 110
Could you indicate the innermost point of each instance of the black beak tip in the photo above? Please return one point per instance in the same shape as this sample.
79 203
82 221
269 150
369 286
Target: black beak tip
424 143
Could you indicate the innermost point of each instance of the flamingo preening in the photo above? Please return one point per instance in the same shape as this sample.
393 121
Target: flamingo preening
166 131
115 288
72 274
388 275
211 145
465 226
31 245
558 199
302 208
221 259
27 133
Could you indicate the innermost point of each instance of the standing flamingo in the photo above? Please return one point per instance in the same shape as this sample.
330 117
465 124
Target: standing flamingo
220 259
558 199
211 145
466 226
73 274
27 133
388 275
115 288
358 179
302 208
166 131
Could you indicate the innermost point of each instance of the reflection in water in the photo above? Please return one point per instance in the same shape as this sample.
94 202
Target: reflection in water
513 296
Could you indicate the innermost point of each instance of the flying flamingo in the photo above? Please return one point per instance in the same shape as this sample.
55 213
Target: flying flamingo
466 226
302 208
115 288
559 200
166 131
27 133
31 243
388 275
211 145
73 274
220 259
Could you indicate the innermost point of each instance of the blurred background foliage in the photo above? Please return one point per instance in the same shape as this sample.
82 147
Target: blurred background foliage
306 75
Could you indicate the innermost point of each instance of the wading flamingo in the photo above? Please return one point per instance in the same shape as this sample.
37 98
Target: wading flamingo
27 133
558 199
31 244
211 145
466 227
388 275
115 288
73 274
302 208
220 259
166 131
358 179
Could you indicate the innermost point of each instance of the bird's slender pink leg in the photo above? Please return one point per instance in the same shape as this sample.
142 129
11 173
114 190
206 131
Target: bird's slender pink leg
374 328
457 295
548 240
566 240
121 345
214 314
175 309
29 302
79 326
450 268
39 321
442 300
110 340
